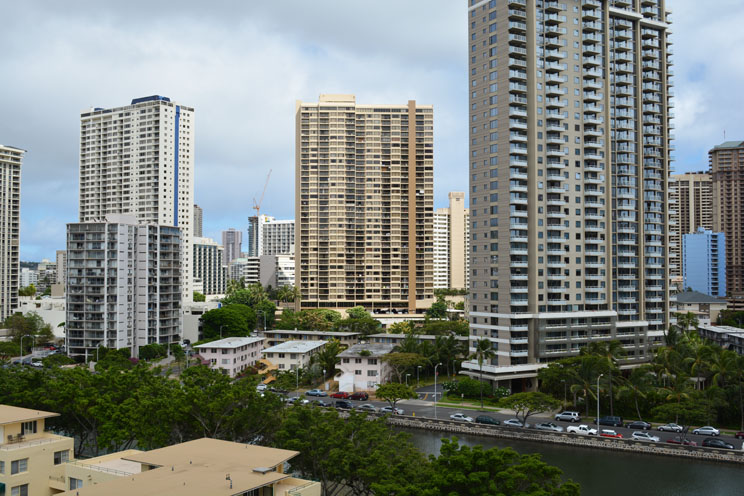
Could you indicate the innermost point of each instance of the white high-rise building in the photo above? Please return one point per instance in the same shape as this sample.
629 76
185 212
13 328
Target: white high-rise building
139 159
11 159
209 266
269 236
247 268
123 285
232 240
28 277
452 244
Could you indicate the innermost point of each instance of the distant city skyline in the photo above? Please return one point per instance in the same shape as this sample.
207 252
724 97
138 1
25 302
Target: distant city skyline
235 150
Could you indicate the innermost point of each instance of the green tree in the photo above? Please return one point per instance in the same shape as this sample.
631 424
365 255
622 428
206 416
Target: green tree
584 376
530 403
251 295
403 327
393 392
438 309
29 290
357 312
636 386
459 327
483 352
364 326
447 350
234 285
152 351
199 297
30 324
609 352
327 358
265 314
402 362
234 320
57 360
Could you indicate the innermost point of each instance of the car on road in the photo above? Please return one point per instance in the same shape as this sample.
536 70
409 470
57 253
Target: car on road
366 407
671 427
321 403
548 426
569 416
485 419
582 429
610 420
261 387
343 405
359 396
707 430
645 436
389 409
514 423
343 395
36 362
610 433
739 435
639 424
461 417
316 392
717 443
681 440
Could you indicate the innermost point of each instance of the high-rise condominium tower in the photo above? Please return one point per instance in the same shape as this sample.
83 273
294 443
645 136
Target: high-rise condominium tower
10 214
198 221
727 169
269 236
364 203
139 159
691 207
569 156
209 266
704 262
232 241
451 244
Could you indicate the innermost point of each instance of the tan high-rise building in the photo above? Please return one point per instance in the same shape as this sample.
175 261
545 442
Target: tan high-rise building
364 204
198 221
690 207
11 159
451 244
568 121
727 170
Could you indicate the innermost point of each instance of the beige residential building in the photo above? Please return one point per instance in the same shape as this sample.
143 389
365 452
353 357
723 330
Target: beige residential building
231 356
727 170
568 121
11 159
452 244
291 355
198 221
364 204
277 336
363 368
690 207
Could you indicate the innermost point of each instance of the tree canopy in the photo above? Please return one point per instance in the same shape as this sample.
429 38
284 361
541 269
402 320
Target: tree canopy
235 320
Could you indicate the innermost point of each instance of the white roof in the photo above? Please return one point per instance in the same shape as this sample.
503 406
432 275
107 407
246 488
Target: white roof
230 342
295 347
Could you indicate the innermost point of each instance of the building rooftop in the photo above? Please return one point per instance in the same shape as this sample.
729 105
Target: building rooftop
697 297
196 468
312 333
722 329
295 347
230 342
729 144
13 414
375 349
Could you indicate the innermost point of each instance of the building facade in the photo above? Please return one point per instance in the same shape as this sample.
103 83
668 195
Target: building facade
231 356
705 307
198 221
246 268
452 244
11 159
232 241
209 266
61 260
569 156
363 368
364 203
727 171
691 207
29 276
293 355
139 159
276 237
123 285
704 262
277 271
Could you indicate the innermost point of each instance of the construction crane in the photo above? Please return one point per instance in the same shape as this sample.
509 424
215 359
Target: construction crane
257 206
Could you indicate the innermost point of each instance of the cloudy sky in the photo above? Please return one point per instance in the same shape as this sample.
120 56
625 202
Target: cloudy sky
242 65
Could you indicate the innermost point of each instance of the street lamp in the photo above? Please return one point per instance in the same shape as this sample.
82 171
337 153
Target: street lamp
598 378
324 373
24 336
435 389
407 375
418 382
297 373
565 391
221 331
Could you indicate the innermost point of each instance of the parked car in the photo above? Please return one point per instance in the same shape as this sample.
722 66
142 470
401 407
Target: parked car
367 407
681 440
485 419
36 362
548 426
739 435
461 417
389 409
569 416
645 436
316 392
717 443
671 427
610 433
321 403
582 429
639 424
341 395
261 387
514 423
343 405
707 430
359 396
610 420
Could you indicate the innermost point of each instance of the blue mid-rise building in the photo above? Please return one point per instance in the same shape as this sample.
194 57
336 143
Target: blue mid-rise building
704 262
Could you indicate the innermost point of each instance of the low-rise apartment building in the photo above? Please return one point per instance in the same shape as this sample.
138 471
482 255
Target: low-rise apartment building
705 307
276 336
727 337
233 355
291 355
362 367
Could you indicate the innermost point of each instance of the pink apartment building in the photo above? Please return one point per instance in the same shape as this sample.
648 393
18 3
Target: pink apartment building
232 355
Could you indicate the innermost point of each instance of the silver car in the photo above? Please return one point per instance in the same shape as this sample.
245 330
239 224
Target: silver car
707 430
367 407
645 436
548 426
514 423
671 427
389 409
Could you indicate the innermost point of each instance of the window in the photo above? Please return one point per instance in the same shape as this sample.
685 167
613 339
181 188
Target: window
371 373
2 467
357 360
357 372
28 427
21 490
18 466
75 483
372 361
61 457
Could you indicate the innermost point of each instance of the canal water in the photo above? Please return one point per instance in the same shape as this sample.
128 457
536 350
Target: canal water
614 473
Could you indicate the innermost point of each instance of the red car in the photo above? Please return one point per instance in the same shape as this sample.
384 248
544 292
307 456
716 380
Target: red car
740 435
359 396
341 395
679 440
610 433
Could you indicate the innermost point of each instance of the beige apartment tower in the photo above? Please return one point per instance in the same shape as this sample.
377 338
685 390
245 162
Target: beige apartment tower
690 207
364 204
727 171
451 243
11 159
568 116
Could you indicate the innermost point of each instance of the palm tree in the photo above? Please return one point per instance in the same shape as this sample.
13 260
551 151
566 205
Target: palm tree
609 351
447 349
409 344
584 377
678 390
687 321
328 356
234 285
636 386
483 351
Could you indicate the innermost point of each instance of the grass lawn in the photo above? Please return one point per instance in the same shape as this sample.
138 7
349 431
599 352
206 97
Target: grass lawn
468 404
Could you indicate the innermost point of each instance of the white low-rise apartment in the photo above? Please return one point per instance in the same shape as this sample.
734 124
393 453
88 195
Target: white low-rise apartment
362 367
232 355
291 355
277 336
